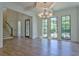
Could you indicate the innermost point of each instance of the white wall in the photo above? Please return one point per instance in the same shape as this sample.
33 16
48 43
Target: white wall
34 27
1 30
39 27
78 23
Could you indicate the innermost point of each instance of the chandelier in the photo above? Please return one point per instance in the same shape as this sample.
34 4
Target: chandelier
46 12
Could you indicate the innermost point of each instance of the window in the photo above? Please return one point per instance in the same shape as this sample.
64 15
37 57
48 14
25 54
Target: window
65 27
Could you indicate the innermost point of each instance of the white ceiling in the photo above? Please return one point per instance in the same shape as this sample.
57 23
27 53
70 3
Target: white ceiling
24 4
57 6
27 5
63 5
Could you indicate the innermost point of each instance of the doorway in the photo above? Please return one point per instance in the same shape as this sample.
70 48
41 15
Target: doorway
65 27
54 28
27 28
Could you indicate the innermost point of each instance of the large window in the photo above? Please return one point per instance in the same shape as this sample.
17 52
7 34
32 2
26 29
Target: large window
44 27
53 27
66 27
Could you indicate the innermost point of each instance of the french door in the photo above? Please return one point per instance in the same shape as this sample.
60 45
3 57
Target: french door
44 28
65 27
53 31
53 27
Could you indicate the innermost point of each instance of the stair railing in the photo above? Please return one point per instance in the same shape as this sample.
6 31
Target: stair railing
10 27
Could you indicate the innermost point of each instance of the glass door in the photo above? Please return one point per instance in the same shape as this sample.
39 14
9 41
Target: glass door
53 27
66 27
44 28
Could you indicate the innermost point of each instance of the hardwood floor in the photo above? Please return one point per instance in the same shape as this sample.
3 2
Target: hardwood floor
39 47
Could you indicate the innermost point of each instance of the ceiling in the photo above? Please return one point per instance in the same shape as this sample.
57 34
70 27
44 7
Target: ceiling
63 5
25 5
57 6
28 6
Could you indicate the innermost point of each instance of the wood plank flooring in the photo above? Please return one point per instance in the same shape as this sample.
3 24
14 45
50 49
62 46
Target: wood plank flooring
39 47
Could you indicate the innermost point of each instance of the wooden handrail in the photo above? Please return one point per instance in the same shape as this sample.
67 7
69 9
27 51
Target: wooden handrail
10 28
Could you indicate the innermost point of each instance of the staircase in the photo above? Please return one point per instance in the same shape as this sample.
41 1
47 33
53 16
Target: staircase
7 29
6 35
